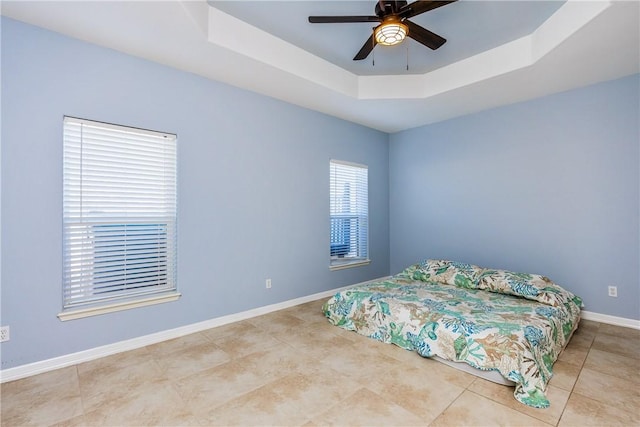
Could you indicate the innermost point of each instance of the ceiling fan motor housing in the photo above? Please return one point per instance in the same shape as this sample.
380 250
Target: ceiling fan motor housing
389 7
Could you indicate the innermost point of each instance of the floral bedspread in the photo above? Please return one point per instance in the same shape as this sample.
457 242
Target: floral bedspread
514 323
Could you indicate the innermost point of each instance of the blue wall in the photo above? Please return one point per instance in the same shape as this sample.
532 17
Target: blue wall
549 186
253 190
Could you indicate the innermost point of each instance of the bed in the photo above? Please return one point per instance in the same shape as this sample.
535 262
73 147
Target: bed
496 321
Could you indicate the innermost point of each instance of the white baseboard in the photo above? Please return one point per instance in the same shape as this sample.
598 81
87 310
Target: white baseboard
40 367
611 320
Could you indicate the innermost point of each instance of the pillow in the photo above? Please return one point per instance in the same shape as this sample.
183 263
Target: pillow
530 286
444 271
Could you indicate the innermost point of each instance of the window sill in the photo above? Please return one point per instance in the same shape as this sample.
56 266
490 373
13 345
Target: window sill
349 264
111 308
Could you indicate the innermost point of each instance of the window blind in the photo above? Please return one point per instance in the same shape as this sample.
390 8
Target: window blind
349 212
119 212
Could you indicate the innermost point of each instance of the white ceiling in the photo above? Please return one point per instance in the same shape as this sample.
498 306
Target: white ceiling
471 27
497 53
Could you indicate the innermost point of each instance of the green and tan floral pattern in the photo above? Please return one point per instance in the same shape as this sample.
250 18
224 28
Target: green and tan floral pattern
445 309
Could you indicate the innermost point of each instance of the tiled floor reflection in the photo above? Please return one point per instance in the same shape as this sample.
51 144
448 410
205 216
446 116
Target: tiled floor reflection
293 368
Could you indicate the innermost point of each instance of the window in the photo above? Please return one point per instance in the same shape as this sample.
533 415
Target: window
349 215
119 215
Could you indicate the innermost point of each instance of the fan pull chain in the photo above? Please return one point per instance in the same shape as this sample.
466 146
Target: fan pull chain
407 58
373 51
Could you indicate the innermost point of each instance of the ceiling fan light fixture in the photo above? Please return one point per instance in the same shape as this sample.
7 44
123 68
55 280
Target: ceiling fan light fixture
392 31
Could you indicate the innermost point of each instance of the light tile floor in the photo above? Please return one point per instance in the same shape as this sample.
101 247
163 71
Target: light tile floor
292 367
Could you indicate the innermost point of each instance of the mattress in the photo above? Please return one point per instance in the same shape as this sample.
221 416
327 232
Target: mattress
493 376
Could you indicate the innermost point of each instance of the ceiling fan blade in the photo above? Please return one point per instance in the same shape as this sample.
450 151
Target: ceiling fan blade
341 19
418 7
366 49
424 36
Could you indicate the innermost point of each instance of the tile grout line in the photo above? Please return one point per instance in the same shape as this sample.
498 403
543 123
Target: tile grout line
595 335
453 401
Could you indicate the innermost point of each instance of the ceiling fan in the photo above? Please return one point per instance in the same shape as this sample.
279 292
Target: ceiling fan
394 24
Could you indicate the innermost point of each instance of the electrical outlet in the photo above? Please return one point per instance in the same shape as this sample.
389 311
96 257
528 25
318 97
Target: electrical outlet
613 291
4 333
268 283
